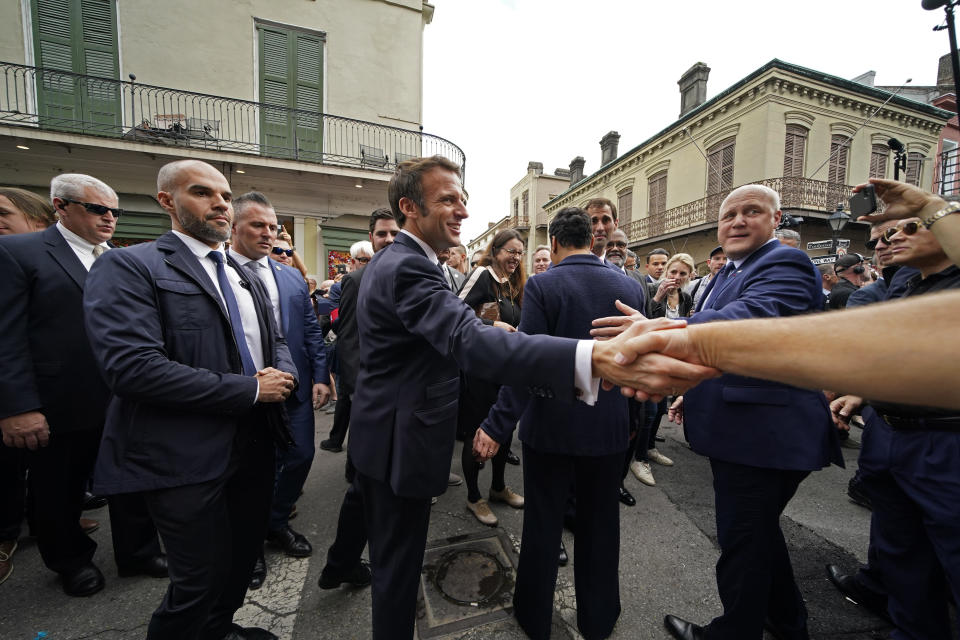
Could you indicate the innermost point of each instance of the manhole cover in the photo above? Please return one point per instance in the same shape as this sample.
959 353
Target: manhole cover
470 576
467 581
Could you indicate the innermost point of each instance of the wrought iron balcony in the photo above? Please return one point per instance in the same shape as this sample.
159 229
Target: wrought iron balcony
948 173
795 193
70 102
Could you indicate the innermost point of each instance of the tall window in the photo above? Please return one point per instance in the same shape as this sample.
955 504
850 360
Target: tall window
720 165
79 36
526 206
839 146
793 150
291 77
657 193
516 207
949 169
878 160
914 167
625 205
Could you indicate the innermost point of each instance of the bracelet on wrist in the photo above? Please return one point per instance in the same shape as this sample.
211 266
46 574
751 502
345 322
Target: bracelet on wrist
952 207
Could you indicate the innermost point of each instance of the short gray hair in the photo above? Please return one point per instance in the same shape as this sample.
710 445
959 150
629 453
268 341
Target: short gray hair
72 186
770 194
240 203
787 233
363 246
541 247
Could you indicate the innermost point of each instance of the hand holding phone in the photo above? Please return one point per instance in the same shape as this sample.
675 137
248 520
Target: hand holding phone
863 202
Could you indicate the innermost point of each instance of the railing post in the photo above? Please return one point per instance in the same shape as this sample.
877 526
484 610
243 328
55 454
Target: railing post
133 113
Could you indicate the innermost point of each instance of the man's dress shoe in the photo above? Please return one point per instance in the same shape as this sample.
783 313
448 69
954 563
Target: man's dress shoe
359 577
513 458
248 633
293 544
259 573
91 501
626 498
683 630
154 566
331 446
564 558
857 593
83 581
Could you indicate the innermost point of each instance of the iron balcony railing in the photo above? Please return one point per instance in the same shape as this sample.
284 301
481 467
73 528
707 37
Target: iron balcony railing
795 193
948 172
71 102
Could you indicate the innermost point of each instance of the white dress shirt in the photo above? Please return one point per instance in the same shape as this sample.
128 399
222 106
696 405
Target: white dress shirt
82 248
583 380
264 269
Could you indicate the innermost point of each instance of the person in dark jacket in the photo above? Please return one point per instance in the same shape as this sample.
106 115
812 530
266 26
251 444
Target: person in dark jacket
495 291
850 271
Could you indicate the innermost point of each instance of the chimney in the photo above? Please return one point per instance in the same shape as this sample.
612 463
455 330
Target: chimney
608 147
945 75
576 170
693 87
561 173
536 167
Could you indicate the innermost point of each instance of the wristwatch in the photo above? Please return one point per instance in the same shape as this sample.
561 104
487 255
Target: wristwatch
952 207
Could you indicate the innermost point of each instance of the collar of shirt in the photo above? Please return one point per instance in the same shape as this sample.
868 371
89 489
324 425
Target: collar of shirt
242 260
198 248
497 278
431 254
76 241
738 263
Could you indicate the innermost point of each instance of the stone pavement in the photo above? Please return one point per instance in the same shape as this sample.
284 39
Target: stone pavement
668 551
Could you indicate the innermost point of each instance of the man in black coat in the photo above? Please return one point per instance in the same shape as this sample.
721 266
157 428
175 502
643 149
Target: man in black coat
849 271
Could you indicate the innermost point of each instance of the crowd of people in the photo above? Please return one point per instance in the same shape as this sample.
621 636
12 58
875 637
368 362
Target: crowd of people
178 380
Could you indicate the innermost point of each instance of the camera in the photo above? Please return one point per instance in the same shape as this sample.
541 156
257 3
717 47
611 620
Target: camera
863 201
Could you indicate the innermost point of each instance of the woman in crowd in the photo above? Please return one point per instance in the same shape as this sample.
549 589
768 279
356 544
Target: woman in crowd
284 252
495 291
667 300
23 212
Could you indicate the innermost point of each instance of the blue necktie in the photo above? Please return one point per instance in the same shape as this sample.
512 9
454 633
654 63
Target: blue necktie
233 309
718 285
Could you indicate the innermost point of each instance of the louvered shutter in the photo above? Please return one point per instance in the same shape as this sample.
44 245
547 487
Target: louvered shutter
101 99
625 206
878 161
720 159
309 91
914 168
657 188
839 146
276 124
793 151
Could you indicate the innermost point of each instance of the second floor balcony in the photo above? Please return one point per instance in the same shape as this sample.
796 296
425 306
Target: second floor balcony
74 103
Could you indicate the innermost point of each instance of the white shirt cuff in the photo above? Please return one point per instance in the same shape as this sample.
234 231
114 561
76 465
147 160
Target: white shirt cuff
583 380
258 392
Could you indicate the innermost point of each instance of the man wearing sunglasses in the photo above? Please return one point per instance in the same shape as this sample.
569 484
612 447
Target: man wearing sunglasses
850 271
53 399
893 277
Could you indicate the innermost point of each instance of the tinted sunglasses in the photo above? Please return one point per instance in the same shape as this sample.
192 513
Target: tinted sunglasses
283 252
909 229
98 209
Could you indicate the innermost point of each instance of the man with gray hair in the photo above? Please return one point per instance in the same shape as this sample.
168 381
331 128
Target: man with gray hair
788 237
53 399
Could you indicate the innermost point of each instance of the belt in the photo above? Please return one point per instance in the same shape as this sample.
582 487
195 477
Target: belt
946 423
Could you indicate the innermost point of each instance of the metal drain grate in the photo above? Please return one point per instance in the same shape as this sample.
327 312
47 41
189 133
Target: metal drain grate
466 581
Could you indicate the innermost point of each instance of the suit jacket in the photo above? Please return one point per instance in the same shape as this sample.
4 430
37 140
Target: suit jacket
563 301
300 329
757 422
348 340
48 365
415 335
458 278
163 339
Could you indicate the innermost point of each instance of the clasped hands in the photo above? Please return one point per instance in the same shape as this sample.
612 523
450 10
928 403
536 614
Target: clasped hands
647 359
275 385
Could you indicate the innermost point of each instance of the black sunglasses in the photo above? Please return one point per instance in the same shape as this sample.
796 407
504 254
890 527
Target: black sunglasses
98 209
280 252
908 229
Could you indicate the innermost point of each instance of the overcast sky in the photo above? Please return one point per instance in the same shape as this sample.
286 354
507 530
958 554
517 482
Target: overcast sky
511 81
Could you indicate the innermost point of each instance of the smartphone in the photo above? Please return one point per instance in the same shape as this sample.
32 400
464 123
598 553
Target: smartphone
863 202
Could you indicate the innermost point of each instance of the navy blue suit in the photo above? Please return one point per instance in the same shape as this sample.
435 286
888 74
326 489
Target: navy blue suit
415 335
304 339
563 445
763 438
183 426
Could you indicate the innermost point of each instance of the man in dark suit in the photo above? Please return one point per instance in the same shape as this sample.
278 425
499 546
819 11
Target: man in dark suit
187 341
603 222
343 558
454 278
254 233
53 397
656 263
762 438
415 335
849 271
558 448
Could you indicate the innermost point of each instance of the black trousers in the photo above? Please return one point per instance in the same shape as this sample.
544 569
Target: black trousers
341 417
546 483
397 528
344 554
132 530
13 491
213 533
754 575
56 482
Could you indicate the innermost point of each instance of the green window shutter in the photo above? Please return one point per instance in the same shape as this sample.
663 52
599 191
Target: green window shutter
78 36
291 77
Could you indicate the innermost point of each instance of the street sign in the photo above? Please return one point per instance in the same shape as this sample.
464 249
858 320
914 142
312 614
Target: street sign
830 259
843 242
820 244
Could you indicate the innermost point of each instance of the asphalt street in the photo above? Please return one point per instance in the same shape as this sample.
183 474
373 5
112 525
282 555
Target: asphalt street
668 552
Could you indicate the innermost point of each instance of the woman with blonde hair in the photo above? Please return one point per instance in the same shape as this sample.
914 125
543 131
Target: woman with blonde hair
22 211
